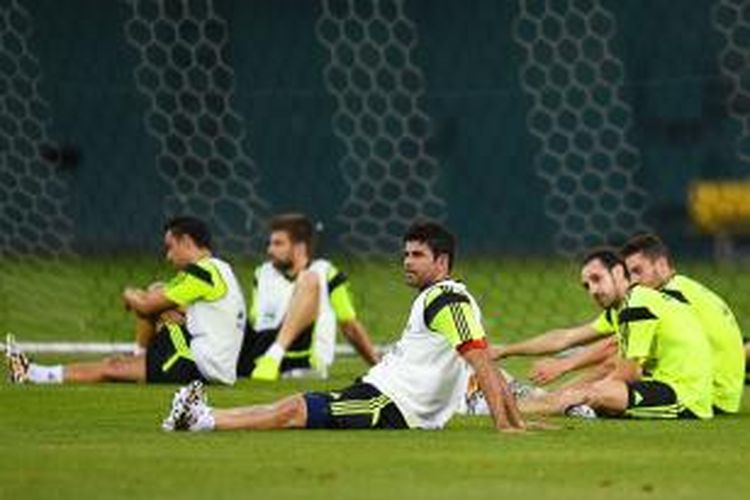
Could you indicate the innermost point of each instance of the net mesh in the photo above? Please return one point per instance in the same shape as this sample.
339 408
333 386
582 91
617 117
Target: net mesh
581 121
379 118
184 72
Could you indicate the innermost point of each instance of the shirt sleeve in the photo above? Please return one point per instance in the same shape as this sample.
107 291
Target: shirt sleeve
640 323
191 284
340 296
451 315
603 323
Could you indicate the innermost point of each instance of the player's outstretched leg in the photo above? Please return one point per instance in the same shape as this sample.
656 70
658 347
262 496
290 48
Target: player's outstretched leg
190 412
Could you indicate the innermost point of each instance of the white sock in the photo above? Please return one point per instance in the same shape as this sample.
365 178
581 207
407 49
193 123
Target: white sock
205 422
138 350
276 351
39 374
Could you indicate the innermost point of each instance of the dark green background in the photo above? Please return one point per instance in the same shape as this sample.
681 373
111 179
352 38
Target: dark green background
478 110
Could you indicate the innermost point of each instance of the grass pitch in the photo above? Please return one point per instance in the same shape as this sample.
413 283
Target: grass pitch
104 441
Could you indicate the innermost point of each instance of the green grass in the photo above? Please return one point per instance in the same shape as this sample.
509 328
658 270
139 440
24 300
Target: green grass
80 299
104 441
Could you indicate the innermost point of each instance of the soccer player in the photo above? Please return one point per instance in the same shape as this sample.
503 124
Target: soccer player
296 305
649 263
203 344
419 384
664 369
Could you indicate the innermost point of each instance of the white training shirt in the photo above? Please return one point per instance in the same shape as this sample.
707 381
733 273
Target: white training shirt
424 374
271 303
215 317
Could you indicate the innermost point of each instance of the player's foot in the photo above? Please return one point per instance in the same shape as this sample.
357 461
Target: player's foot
476 403
18 363
190 410
266 368
580 411
523 390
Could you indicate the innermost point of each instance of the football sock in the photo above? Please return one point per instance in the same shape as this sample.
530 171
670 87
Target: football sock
276 352
39 374
205 422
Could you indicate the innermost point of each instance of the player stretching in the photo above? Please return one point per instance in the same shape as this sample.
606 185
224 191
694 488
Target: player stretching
419 384
201 343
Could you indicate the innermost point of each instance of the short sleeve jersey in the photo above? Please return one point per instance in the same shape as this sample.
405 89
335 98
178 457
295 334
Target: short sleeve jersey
424 374
215 316
273 292
665 337
724 337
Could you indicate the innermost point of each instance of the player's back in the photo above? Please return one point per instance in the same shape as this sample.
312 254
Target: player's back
678 350
725 339
217 321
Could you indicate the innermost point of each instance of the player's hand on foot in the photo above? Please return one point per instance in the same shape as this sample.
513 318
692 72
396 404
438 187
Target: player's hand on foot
545 371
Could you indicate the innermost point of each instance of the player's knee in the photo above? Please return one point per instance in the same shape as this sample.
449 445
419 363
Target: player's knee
112 366
114 361
595 395
291 412
607 396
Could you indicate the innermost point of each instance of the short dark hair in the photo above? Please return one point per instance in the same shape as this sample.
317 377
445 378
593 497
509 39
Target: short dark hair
608 256
190 226
299 228
436 237
649 244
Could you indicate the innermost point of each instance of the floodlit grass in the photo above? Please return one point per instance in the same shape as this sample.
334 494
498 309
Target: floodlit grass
104 441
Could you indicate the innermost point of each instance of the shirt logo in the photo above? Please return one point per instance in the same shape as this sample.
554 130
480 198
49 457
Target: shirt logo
637 398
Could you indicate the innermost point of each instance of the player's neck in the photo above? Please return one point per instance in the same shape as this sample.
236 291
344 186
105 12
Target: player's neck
199 254
434 280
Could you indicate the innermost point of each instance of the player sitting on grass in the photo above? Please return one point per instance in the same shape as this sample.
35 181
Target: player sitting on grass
202 344
419 384
649 263
296 305
664 367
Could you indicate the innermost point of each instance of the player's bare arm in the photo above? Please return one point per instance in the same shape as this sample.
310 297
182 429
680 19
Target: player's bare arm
146 302
547 370
501 402
549 342
358 337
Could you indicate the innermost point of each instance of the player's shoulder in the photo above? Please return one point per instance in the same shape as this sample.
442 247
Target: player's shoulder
643 295
323 267
448 290
264 267
203 269
692 287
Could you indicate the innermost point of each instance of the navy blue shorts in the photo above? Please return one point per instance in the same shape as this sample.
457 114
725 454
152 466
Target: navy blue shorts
359 406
